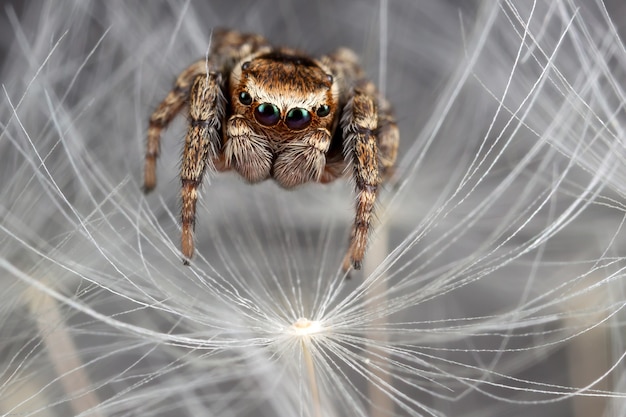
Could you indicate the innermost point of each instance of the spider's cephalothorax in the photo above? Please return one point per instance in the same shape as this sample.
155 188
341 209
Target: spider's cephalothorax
276 113
284 110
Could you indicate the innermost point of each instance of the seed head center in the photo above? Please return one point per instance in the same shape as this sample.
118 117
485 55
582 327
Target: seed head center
305 327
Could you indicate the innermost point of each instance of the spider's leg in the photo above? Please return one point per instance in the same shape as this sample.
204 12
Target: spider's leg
388 140
370 144
202 146
359 124
163 115
227 48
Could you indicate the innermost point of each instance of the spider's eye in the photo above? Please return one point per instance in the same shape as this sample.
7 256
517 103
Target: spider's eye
245 65
298 118
245 98
267 114
323 110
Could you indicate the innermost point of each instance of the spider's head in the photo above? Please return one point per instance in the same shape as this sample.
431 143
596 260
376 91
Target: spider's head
284 110
286 94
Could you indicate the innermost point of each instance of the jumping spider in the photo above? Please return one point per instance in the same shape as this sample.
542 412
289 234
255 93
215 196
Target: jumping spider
276 113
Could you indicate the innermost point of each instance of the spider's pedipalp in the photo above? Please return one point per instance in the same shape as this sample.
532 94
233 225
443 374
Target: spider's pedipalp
302 161
247 152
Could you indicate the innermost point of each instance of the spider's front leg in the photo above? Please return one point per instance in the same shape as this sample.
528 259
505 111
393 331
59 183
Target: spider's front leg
228 47
359 124
202 146
163 115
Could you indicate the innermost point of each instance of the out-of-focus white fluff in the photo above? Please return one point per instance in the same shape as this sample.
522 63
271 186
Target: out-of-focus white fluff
493 284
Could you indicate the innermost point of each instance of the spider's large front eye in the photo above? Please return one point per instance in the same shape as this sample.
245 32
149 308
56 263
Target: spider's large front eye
267 114
298 118
245 98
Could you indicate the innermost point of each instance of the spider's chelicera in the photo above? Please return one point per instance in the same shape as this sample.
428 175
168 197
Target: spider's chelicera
276 113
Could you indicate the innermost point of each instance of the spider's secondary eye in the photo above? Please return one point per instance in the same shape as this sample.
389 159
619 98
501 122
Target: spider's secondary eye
245 98
267 114
298 118
323 110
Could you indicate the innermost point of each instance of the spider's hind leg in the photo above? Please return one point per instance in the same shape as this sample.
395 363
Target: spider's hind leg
388 138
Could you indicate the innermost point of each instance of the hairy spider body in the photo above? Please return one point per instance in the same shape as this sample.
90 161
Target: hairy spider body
291 150
276 113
